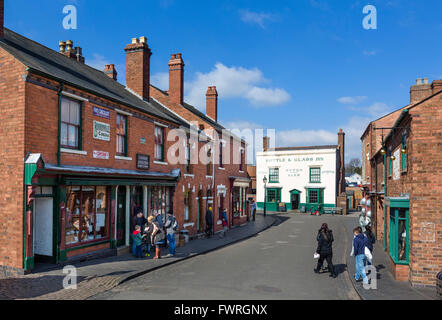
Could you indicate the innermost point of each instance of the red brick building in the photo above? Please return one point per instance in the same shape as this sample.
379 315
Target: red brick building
81 152
406 181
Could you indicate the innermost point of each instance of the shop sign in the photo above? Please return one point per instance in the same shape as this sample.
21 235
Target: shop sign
101 131
143 162
101 113
101 155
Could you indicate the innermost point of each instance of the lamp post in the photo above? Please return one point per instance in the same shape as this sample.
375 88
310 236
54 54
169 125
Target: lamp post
265 195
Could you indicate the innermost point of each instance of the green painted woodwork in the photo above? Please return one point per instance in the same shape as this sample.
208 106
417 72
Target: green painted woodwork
399 255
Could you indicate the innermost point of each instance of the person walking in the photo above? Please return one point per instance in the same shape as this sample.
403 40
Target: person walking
148 241
225 223
209 222
253 209
171 226
359 243
325 241
370 237
157 237
138 220
138 241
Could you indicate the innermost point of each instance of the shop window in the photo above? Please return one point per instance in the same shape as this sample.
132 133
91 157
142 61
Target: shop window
315 196
404 153
70 124
274 195
160 200
159 143
121 135
399 250
273 175
86 215
315 175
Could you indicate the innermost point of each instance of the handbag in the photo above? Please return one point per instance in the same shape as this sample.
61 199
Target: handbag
316 255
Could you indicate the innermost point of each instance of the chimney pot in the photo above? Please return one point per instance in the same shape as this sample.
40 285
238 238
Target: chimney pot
143 40
418 81
134 40
62 46
425 80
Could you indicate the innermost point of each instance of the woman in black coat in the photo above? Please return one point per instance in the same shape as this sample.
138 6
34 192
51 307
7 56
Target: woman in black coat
325 251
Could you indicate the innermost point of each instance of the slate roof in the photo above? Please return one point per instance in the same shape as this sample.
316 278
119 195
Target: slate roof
44 60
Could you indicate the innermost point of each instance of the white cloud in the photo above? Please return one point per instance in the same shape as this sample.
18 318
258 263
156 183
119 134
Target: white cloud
98 61
369 52
352 100
256 17
375 110
235 82
160 80
241 125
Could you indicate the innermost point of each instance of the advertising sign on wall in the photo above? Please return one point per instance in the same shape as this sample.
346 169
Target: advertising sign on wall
101 155
101 113
101 131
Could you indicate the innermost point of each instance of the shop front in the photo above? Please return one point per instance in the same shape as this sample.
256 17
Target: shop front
239 199
80 212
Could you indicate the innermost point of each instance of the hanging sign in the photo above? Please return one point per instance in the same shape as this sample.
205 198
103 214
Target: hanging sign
101 131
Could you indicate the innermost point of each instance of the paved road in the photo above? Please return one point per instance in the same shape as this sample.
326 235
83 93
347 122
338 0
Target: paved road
276 264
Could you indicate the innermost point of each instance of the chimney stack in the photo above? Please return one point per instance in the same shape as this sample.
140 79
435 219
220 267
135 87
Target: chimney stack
421 90
212 103
110 71
176 79
2 19
67 49
341 146
436 86
266 144
138 56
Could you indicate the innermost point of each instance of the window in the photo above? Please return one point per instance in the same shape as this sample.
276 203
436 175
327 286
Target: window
70 124
399 234
209 163
389 163
404 153
159 143
188 164
273 175
315 175
121 135
160 200
187 205
86 214
274 195
313 196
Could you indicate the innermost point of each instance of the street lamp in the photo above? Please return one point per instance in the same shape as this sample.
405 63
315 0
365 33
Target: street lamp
265 195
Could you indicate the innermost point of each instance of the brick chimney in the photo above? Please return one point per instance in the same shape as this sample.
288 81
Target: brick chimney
176 79
419 91
212 103
110 71
138 56
436 86
266 144
2 21
341 164
67 49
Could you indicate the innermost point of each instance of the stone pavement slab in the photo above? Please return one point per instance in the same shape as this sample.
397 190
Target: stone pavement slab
100 275
387 287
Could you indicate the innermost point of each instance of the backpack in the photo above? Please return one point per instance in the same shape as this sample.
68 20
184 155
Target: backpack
175 225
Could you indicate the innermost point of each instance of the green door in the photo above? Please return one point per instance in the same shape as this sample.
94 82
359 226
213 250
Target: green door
121 216
273 199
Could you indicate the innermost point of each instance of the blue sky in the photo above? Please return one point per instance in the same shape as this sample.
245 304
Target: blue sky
305 68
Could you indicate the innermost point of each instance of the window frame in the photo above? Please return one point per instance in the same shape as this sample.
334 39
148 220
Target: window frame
394 234
316 175
125 117
79 127
274 172
404 158
157 144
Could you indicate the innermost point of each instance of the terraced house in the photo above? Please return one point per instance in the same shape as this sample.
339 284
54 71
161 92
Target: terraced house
406 181
80 153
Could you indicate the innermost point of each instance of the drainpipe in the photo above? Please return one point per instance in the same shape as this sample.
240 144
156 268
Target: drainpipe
59 122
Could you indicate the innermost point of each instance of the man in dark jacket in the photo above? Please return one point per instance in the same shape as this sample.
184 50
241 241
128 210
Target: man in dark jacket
325 250
359 244
209 222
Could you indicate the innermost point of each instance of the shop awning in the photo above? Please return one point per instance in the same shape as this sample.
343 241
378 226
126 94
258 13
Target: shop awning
82 175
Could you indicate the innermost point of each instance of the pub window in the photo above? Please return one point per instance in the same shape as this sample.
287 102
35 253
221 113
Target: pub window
399 250
404 153
121 135
315 175
273 195
70 124
159 143
86 214
273 175
313 196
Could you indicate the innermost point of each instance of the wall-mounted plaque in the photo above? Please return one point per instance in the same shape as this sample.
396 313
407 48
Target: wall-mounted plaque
143 162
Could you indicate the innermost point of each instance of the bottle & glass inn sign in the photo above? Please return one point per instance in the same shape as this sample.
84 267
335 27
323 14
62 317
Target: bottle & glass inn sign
294 159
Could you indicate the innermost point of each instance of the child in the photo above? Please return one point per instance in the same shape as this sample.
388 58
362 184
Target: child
359 244
138 240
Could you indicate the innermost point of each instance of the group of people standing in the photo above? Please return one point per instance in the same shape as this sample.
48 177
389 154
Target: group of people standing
362 250
153 233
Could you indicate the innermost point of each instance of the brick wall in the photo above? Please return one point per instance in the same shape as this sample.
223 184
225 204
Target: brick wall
12 136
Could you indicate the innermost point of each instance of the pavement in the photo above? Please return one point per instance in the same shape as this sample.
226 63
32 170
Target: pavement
97 276
276 264
387 287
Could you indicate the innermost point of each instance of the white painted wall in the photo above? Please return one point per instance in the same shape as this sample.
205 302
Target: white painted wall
294 172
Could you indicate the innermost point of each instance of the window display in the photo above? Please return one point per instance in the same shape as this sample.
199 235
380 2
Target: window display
86 214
